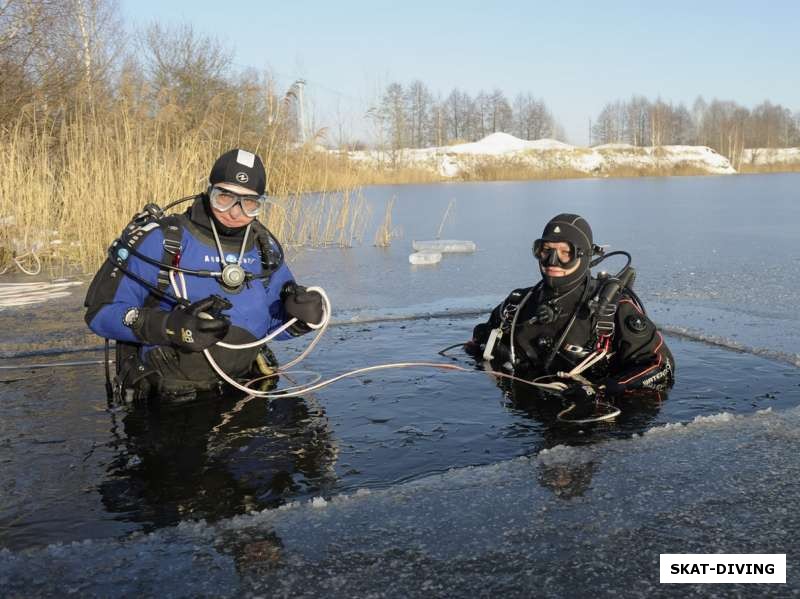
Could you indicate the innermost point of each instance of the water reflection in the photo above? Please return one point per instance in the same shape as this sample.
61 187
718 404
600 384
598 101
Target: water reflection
568 479
638 409
217 458
568 476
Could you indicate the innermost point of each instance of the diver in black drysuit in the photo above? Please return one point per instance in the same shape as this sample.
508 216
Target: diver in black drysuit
571 317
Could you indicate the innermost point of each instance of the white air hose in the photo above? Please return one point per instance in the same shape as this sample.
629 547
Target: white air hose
299 390
181 292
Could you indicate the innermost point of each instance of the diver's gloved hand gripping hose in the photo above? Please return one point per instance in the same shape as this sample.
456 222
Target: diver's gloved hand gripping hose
191 329
307 306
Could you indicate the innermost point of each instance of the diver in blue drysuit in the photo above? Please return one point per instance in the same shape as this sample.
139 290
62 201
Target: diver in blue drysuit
138 299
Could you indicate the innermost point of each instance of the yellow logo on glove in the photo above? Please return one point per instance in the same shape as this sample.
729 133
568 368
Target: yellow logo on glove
186 336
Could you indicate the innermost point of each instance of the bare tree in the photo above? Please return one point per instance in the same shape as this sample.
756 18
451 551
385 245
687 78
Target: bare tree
483 115
659 115
770 126
473 124
393 116
682 127
501 116
638 123
31 65
794 128
609 127
532 119
54 53
456 115
419 101
95 38
699 109
439 123
186 70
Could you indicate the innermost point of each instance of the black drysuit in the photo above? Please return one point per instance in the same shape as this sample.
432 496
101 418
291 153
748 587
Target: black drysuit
636 357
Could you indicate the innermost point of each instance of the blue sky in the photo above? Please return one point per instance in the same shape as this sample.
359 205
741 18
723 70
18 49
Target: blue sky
575 55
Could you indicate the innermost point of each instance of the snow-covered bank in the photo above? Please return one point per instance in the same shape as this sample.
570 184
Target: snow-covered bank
675 160
547 157
771 158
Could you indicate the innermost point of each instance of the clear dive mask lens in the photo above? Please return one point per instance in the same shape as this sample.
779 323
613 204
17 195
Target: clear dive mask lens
224 199
565 256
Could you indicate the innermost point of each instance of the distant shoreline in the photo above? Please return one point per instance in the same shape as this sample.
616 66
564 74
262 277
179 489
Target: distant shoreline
425 178
501 157
440 181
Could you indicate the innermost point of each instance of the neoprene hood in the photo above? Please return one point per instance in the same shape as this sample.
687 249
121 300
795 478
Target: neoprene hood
574 230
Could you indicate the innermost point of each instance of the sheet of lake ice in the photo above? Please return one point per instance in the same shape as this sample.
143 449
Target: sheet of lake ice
571 521
446 246
426 257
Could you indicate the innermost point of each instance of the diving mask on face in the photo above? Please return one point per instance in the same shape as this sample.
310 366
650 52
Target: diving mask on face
224 199
564 256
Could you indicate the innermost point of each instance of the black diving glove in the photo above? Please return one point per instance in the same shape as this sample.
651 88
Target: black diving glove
306 306
480 334
579 393
193 328
473 348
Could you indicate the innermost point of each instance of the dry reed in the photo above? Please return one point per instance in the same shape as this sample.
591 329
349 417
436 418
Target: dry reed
68 188
386 232
450 206
792 167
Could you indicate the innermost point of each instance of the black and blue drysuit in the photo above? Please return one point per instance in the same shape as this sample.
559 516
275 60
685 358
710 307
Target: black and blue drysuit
256 307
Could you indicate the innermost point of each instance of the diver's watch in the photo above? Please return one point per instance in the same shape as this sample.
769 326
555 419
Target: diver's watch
130 318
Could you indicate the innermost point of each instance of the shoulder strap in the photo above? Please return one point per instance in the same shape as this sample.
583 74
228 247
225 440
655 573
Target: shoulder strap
106 281
172 229
603 304
270 249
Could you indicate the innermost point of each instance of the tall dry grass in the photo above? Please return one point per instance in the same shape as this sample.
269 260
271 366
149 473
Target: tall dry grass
383 175
792 167
511 170
68 188
666 170
322 219
386 231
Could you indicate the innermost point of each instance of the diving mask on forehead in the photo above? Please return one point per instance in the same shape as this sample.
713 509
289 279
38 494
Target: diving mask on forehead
566 256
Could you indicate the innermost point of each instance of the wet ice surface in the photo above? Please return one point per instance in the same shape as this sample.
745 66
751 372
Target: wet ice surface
570 521
433 483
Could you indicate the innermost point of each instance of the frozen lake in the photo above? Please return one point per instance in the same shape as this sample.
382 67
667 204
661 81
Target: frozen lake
715 256
425 483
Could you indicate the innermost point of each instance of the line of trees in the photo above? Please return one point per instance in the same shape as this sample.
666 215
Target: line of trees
411 116
59 57
723 125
